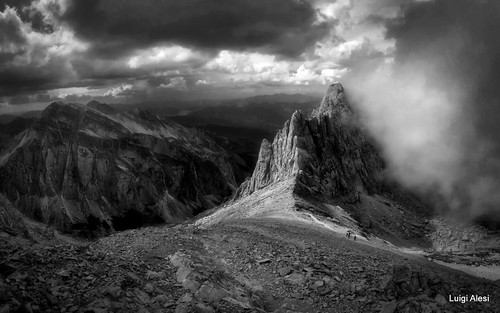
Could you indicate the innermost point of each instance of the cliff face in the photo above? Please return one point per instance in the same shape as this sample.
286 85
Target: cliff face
11 220
326 154
96 167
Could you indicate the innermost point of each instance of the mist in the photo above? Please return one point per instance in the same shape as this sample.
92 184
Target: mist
435 109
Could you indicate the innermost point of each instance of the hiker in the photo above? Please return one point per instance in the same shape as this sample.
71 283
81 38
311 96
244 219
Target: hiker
354 237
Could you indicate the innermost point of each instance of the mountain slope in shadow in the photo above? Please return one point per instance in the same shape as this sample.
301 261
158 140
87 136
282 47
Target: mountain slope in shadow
97 168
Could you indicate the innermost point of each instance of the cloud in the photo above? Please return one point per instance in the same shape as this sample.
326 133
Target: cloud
306 75
12 38
285 27
330 74
257 67
351 53
435 109
42 98
19 100
49 44
247 46
240 62
31 60
202 82
117 91
165 57
178 83
14 3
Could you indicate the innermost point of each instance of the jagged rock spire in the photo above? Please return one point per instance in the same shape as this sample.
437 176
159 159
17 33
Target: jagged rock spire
334 103
322 154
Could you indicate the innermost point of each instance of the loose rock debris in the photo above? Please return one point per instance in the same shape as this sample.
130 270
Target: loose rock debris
240 266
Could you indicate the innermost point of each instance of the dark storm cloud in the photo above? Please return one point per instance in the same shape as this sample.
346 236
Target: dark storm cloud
14 44
18 4
115 27
13 83
31 74
28 14
89 68
26 62
446 77
11 34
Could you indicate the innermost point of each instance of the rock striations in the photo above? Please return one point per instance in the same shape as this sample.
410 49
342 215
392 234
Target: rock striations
326 154
94 166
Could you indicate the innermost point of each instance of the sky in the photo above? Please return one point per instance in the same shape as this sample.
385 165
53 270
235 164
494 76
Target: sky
424 75
148 50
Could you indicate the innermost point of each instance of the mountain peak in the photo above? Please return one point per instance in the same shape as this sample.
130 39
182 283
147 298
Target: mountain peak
335 89
55 105
57 108
321 154
93 102
334 103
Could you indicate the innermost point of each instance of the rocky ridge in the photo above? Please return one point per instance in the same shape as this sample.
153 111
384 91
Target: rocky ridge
11 220
328 154
96 168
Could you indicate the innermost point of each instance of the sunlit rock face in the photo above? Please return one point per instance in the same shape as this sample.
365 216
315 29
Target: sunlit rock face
93 166
327 153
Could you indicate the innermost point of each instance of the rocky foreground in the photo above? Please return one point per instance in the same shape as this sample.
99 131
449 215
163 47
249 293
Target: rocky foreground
248 265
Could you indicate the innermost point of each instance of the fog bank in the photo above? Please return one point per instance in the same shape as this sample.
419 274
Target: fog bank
435 109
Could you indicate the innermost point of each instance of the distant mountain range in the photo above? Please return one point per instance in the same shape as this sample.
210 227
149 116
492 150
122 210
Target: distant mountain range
9 118
96 167
238 125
